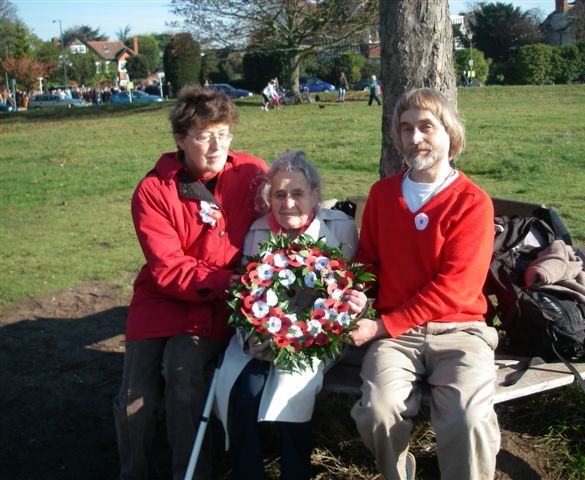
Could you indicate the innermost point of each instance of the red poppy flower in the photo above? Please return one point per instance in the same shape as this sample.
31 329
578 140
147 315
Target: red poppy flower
251 266
282 341
310 262
336 328
318 315
331 288
322 339
275 312
341 306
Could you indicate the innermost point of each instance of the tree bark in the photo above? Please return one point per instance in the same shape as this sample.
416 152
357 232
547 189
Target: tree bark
417 51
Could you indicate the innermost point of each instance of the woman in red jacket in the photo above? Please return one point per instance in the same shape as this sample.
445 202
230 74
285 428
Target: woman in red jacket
191 214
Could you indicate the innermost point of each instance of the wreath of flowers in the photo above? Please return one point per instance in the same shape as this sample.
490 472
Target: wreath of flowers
285 268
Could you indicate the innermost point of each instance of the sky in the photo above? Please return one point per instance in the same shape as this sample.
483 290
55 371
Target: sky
148 16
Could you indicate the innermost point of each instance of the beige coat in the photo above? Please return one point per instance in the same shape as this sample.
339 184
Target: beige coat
287 397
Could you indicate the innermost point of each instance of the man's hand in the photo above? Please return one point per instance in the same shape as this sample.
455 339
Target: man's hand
357 300
367 330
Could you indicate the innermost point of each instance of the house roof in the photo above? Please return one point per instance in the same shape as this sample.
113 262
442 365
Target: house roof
109 50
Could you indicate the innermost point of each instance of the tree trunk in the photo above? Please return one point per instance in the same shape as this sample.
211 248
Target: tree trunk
294 62
417 51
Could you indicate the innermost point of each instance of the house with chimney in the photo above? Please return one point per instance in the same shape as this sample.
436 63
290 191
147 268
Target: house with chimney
557 26
112 54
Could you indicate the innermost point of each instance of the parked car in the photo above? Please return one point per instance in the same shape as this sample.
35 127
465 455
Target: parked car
6 107
314 85
137 96
231 91
52 100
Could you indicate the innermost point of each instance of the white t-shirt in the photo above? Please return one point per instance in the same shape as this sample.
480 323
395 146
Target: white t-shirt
417 194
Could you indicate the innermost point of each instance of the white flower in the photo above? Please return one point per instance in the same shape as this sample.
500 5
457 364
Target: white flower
310 278
321 263
280 260
343 319
292 317
287 277
318 304
314 326
207 213
257 291
260 309
264 272
329 279
294 331
274 324
337 294
300 259
271 298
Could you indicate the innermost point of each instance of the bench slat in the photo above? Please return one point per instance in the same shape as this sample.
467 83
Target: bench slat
345 378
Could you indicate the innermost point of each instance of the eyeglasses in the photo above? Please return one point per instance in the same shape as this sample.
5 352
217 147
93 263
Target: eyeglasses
205 138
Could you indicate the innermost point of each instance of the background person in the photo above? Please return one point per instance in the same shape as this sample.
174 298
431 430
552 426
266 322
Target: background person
373 88
259 391
342 86
431 261
191 215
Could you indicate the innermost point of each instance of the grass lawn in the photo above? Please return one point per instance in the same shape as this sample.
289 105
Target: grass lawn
67 177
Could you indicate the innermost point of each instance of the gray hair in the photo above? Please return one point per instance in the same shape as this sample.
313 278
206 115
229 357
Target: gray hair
289 161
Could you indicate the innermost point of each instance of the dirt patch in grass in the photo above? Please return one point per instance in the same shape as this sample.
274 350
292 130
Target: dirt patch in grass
61 360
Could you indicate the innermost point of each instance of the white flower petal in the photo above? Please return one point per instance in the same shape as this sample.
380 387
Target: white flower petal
260 309
280 260
274 324
271 298
314 326
337 294
287 277
294 332
309 279
343 319
321 263
265 272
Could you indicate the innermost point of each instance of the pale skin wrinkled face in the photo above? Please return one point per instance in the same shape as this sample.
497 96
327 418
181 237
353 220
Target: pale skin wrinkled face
291 199
425 144
205 156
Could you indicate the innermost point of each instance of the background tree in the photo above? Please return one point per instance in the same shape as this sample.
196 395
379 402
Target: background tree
294 28
26 70
82 68
123 33
352 64
137 67
481 66
499 29
83 32
182 61
417 46
149 47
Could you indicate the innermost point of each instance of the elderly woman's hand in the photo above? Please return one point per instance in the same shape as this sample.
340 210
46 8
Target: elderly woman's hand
257 350
357 301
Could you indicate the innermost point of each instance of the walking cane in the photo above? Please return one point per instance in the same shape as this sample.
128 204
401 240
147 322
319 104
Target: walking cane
203 423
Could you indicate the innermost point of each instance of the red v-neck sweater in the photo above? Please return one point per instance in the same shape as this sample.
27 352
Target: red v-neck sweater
434 272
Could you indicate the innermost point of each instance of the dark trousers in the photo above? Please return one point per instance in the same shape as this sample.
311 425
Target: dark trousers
246 441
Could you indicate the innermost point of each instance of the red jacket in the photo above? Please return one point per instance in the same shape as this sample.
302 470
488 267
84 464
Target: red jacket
181 287
430 264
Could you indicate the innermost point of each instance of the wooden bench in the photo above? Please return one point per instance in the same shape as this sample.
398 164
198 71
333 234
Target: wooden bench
344 376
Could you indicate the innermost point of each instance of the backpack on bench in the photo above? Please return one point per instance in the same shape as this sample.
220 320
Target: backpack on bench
536 323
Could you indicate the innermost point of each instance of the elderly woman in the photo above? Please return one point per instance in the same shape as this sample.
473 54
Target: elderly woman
191 214
257 390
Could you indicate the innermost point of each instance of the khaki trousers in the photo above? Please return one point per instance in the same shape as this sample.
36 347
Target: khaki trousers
456 360
178 370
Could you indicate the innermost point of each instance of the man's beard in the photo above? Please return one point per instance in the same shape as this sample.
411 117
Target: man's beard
422 162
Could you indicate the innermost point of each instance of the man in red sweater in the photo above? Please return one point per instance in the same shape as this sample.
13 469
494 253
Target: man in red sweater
427 234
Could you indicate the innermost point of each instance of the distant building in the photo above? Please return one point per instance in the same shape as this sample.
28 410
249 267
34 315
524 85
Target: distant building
110 53
557 26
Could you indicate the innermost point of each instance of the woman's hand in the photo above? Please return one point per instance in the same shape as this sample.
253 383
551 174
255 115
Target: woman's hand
357 300
234 280
367 330
256 350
